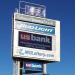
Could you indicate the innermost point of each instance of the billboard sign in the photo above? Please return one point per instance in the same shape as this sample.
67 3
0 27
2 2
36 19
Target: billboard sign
34 28
37 11
35 39
34 66
32 9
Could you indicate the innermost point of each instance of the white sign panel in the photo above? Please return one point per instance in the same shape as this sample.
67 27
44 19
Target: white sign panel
36 41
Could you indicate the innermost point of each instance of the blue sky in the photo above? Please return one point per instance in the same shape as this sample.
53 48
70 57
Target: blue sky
63 10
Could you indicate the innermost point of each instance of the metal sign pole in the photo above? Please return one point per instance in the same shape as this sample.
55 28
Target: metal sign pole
44 69
16 67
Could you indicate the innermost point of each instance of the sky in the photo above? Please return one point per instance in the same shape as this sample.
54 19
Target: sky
63 10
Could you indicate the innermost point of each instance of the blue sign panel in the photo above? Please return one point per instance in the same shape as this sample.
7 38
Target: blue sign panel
35 28
35 41
34 66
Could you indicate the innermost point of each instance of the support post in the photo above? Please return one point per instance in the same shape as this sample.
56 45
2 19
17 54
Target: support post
16 67
44 69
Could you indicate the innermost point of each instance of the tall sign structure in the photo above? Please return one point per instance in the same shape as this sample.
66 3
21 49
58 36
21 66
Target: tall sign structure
36 40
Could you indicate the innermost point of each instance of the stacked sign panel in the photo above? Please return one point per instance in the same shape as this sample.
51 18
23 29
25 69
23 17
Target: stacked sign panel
32 67
35 41
36 38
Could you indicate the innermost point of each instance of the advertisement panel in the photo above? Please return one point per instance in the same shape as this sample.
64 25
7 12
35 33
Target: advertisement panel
34 28
32 9
32 48
34 66
36 40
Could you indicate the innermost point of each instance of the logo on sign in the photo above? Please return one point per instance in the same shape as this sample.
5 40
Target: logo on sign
33 65
35 11
28 65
